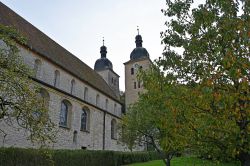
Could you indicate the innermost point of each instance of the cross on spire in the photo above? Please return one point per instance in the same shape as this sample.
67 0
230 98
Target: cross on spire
103 41
138 29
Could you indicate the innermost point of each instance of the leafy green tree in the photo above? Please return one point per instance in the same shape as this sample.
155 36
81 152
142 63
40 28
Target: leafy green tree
156 119
207 50
19 100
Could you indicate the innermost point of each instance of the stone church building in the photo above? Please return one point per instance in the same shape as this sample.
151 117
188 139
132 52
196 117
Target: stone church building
84 103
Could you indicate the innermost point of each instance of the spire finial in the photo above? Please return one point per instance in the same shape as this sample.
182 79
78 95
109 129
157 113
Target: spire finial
103 49
138 29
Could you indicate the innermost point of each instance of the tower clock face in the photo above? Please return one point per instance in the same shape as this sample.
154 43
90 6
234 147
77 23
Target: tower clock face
136 66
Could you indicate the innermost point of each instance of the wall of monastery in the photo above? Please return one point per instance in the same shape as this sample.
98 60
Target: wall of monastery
91 139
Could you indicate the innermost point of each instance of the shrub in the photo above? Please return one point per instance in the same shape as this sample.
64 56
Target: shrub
45 157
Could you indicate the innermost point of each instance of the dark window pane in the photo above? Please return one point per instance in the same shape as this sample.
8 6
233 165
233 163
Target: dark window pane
63 114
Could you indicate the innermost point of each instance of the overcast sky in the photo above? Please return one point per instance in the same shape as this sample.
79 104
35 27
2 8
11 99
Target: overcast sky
79 26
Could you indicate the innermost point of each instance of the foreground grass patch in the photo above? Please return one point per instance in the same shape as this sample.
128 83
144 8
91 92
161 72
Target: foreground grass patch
185 161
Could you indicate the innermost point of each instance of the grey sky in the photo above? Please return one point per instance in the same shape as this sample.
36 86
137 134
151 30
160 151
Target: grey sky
79 26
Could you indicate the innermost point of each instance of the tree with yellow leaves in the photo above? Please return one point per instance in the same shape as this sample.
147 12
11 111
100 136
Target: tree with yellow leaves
20 104
214 65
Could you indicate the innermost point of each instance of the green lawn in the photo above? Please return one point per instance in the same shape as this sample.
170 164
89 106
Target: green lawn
185 161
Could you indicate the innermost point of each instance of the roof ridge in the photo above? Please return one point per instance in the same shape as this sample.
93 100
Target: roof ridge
51 50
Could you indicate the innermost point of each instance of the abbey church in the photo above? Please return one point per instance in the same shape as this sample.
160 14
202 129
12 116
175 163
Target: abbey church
83 102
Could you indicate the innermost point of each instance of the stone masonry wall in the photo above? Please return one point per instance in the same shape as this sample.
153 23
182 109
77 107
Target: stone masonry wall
93 139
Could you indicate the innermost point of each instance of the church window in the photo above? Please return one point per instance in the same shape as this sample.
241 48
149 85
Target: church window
106 104
113 129
97 100
134 85
75 137
72 88
56 78
85 94
139 84
114 82
115 108
65 114
44 98
132 71
84 119
37 68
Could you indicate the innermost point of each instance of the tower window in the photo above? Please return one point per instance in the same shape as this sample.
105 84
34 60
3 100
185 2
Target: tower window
134 85
139 84
132 71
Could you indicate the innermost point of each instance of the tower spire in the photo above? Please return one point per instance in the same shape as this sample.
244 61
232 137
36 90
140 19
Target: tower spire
138 39
103 49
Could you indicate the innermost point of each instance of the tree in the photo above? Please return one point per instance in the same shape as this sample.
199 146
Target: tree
19 100
207 50
155 118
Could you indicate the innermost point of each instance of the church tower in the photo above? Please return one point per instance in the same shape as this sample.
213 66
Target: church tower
104 67
139 59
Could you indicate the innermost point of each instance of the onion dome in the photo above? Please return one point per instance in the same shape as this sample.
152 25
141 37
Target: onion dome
139 51
103 63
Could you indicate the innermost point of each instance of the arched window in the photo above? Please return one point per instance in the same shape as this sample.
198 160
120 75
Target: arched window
57 78
97 100
37 68
85 94
132 71
84 119
75 137
65 114
134 85
44 94
43 97
113 129
106 104
115 108
72 87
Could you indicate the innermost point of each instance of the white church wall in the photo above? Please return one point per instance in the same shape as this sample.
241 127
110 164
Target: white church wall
93 139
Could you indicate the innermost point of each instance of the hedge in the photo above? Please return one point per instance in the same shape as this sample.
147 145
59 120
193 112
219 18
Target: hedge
45 157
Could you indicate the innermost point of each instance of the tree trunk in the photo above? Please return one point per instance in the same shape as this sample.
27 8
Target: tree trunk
244 159
167 162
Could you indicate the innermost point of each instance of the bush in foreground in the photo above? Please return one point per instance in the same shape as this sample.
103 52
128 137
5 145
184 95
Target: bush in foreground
31 157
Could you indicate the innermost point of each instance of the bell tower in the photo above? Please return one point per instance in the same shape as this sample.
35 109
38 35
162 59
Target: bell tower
139 59
104 67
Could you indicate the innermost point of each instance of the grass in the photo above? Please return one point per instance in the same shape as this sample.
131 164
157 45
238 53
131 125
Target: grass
185 161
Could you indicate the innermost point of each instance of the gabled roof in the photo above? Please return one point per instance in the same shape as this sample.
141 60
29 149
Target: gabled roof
49 49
